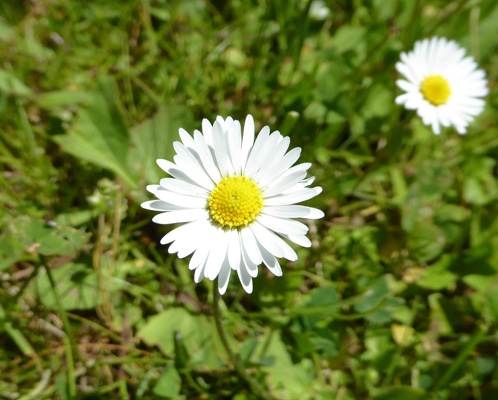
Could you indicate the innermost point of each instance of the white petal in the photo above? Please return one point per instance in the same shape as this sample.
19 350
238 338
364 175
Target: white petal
247 141
187 139
273 243
245 278
224 277
152 188
180 199
178 173
220 143
189 239
199 258
234 146
190 165
206 157
270 261
188 229
283 183
174 217
406 86
207 130
287 161
282 225
267 239
292 198
200 272
217 255
165 165
182 187
234 252
248 242
300 240
263 154
276 159
247 263
263 142
159 205
294 211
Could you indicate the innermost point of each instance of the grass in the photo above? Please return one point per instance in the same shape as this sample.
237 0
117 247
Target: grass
397 298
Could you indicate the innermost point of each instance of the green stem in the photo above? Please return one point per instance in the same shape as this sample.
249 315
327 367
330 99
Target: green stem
462 356
239 367
69 339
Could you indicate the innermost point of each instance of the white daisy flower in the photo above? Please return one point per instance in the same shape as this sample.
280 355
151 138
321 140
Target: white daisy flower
442 84
236 198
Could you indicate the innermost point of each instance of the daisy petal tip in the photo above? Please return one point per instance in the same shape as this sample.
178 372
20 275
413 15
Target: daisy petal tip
248 288
318 214
222 290
278 273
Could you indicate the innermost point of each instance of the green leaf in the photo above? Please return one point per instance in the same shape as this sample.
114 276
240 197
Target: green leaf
153 139
169 383
99 134
195 332
379 102
60 98
10 84
11 250
479 185
399 392
288 380
436 276
373 296
492 299
36 236
349 37
76 285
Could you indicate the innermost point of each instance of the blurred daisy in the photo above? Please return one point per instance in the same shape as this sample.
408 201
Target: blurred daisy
236 198
442 84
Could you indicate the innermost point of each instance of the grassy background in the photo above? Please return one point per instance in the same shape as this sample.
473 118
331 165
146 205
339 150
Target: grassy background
397 298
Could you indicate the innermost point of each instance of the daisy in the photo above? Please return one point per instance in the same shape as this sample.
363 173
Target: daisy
236 197
442 84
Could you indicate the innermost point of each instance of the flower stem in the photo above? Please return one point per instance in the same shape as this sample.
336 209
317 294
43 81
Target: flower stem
239 367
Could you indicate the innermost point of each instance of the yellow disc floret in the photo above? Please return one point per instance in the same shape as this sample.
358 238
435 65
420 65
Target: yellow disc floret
235 202
436 90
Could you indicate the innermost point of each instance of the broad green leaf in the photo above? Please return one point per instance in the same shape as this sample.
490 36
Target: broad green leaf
76 285
100 135
437 276
169 383
479 185
492 299
441 319
379 102
288 380
11 249
153 139
60 98
400 392
373 296
37 236
349 37
10 84
196 333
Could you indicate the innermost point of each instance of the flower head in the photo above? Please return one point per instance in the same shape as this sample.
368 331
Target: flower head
442 84
235 197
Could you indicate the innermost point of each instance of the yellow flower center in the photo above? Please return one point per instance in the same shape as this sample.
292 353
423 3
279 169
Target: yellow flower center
436 90
235 201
